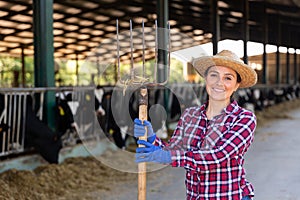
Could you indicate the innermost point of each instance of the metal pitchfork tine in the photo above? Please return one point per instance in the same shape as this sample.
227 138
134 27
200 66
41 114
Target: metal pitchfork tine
143 95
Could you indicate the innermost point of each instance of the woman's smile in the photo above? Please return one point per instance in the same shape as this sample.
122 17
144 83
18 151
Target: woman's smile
218 90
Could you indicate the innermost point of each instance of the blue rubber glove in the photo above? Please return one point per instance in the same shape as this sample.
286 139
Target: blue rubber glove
158 156
151 153
147 148
139 130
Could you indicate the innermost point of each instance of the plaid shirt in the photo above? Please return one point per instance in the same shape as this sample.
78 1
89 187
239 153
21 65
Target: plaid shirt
212 152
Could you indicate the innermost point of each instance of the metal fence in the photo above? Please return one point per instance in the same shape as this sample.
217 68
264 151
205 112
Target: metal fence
13 114
12 136
13 108
14 100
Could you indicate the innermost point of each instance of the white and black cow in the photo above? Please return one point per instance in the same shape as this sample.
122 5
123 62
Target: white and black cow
103 106
117 110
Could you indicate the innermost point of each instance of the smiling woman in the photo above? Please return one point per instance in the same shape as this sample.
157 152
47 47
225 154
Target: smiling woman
210 140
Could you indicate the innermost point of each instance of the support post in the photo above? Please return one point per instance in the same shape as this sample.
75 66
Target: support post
246 30
23 66
296 72
278 68
215 25
163 42
265 76
162 57
43 54
287 67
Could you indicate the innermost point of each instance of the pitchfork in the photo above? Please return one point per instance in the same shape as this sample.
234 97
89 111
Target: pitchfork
143 82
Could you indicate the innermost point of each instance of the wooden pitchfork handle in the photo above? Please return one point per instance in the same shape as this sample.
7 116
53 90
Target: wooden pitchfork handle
143 104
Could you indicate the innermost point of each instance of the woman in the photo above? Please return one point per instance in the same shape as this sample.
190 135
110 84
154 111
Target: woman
210 141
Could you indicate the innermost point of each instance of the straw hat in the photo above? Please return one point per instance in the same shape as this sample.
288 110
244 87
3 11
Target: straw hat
227 58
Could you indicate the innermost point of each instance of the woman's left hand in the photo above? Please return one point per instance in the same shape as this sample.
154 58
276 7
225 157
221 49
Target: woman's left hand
152 153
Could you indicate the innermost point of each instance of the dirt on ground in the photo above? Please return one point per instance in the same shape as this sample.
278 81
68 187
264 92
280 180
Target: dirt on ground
72 179
78 178
279 111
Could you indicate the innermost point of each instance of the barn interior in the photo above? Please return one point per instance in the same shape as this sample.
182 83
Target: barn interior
79 30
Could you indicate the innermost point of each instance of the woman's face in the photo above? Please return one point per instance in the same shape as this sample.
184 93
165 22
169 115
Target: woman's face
221 82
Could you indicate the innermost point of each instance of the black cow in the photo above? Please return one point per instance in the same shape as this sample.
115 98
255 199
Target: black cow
292 92
297 91
280 94
117 132
37 134
90 109
66 126
121 108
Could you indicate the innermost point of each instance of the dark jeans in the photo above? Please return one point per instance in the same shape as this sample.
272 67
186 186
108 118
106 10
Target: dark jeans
246 198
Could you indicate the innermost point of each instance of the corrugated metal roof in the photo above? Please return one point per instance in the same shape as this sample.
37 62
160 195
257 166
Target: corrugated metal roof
81 26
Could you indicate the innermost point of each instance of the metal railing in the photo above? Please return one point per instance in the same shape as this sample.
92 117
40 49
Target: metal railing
11 134
13 108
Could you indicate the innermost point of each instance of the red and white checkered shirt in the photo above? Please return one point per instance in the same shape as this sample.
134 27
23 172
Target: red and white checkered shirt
212 152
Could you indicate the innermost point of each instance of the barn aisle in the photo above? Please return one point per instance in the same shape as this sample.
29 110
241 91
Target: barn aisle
273 161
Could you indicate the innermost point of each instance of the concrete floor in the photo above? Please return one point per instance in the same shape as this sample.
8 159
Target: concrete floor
273 161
